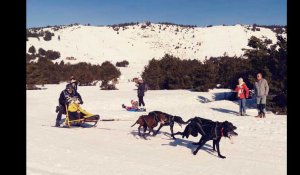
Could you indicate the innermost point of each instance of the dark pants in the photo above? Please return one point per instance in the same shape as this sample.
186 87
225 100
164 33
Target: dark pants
261 104
261 108
61 110
141 100
242 103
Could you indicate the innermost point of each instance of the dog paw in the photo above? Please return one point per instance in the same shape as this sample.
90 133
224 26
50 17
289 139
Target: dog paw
194 152
223 157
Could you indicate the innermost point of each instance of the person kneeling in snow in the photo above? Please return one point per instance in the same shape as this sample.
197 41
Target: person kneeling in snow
133 107
67 93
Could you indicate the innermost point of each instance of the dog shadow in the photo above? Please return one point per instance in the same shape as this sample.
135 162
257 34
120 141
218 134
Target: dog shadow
225 111
164 133
203 99
189 144
136 135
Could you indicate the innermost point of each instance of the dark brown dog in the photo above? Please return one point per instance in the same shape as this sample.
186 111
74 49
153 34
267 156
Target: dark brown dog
149 121
171 120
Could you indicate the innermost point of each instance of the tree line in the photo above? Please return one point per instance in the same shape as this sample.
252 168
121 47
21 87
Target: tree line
44 71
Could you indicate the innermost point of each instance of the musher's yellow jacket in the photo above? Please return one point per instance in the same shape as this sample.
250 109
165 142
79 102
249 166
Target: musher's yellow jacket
74 107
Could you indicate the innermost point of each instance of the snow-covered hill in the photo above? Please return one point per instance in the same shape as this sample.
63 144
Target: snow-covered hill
138 44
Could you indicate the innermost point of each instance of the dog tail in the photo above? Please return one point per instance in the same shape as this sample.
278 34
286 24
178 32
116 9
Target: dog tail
134 123
188 121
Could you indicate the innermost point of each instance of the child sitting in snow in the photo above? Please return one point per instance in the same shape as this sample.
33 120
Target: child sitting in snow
133 107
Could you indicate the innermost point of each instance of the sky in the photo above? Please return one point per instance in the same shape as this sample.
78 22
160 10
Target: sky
40 13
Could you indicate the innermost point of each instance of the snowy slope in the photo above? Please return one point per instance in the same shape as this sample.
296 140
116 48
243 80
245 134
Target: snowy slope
96 44
114 148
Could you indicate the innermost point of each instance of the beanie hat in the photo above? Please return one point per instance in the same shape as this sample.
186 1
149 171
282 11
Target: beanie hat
69 86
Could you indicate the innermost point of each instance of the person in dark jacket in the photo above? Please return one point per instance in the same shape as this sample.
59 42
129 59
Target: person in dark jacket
74 82
261 89
65 96
141 92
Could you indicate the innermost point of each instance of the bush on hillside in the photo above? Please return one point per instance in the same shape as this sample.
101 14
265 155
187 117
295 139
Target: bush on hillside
123 63
42 52
48 36
124 24
32 50
30 57
148 23
52 55
33 33
109 71
105 85
180 25
32 87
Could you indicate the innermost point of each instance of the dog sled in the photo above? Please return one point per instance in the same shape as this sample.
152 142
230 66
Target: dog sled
76 116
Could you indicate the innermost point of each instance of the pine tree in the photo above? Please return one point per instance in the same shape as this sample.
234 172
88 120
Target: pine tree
32 50
41 51
48 36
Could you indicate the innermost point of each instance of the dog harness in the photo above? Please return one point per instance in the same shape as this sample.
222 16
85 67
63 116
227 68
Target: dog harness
216 133
171 120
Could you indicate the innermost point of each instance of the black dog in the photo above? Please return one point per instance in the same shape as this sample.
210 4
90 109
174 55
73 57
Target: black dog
209 130
170 121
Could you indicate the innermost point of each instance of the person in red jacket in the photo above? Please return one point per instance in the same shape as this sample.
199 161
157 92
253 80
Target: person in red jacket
242 93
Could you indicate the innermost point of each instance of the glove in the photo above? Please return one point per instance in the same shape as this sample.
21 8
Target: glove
57 109
69 99
79 101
